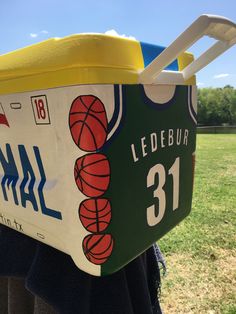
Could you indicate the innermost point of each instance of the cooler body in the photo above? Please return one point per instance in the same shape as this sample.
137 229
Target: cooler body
92 162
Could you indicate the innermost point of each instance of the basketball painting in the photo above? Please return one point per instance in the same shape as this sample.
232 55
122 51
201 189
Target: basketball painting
92 174
98 248
95 214
88 122
89 129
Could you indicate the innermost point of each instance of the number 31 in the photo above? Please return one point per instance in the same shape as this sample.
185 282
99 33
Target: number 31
155 215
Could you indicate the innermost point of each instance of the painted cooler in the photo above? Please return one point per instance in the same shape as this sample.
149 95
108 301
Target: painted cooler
97 143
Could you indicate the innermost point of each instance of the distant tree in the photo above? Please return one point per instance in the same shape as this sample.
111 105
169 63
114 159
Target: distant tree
229 86
217 106
229 104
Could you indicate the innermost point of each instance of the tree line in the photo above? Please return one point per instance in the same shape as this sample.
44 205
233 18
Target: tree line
217 106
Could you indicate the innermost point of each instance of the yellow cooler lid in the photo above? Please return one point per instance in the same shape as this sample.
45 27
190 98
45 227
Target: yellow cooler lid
76 59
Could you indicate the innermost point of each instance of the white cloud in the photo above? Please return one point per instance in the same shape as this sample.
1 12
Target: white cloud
200 84
220 75
33 35
113 32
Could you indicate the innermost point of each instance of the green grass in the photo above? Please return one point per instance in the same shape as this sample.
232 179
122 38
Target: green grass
201 251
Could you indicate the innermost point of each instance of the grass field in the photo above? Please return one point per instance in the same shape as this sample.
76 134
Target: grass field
201 251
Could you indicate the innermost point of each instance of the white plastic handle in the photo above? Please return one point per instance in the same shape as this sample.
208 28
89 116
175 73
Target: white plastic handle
220 28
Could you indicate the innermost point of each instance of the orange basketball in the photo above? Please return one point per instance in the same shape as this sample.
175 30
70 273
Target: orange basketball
92 174
88 122
98 247
95 214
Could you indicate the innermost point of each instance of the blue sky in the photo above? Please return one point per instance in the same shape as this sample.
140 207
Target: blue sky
24 22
